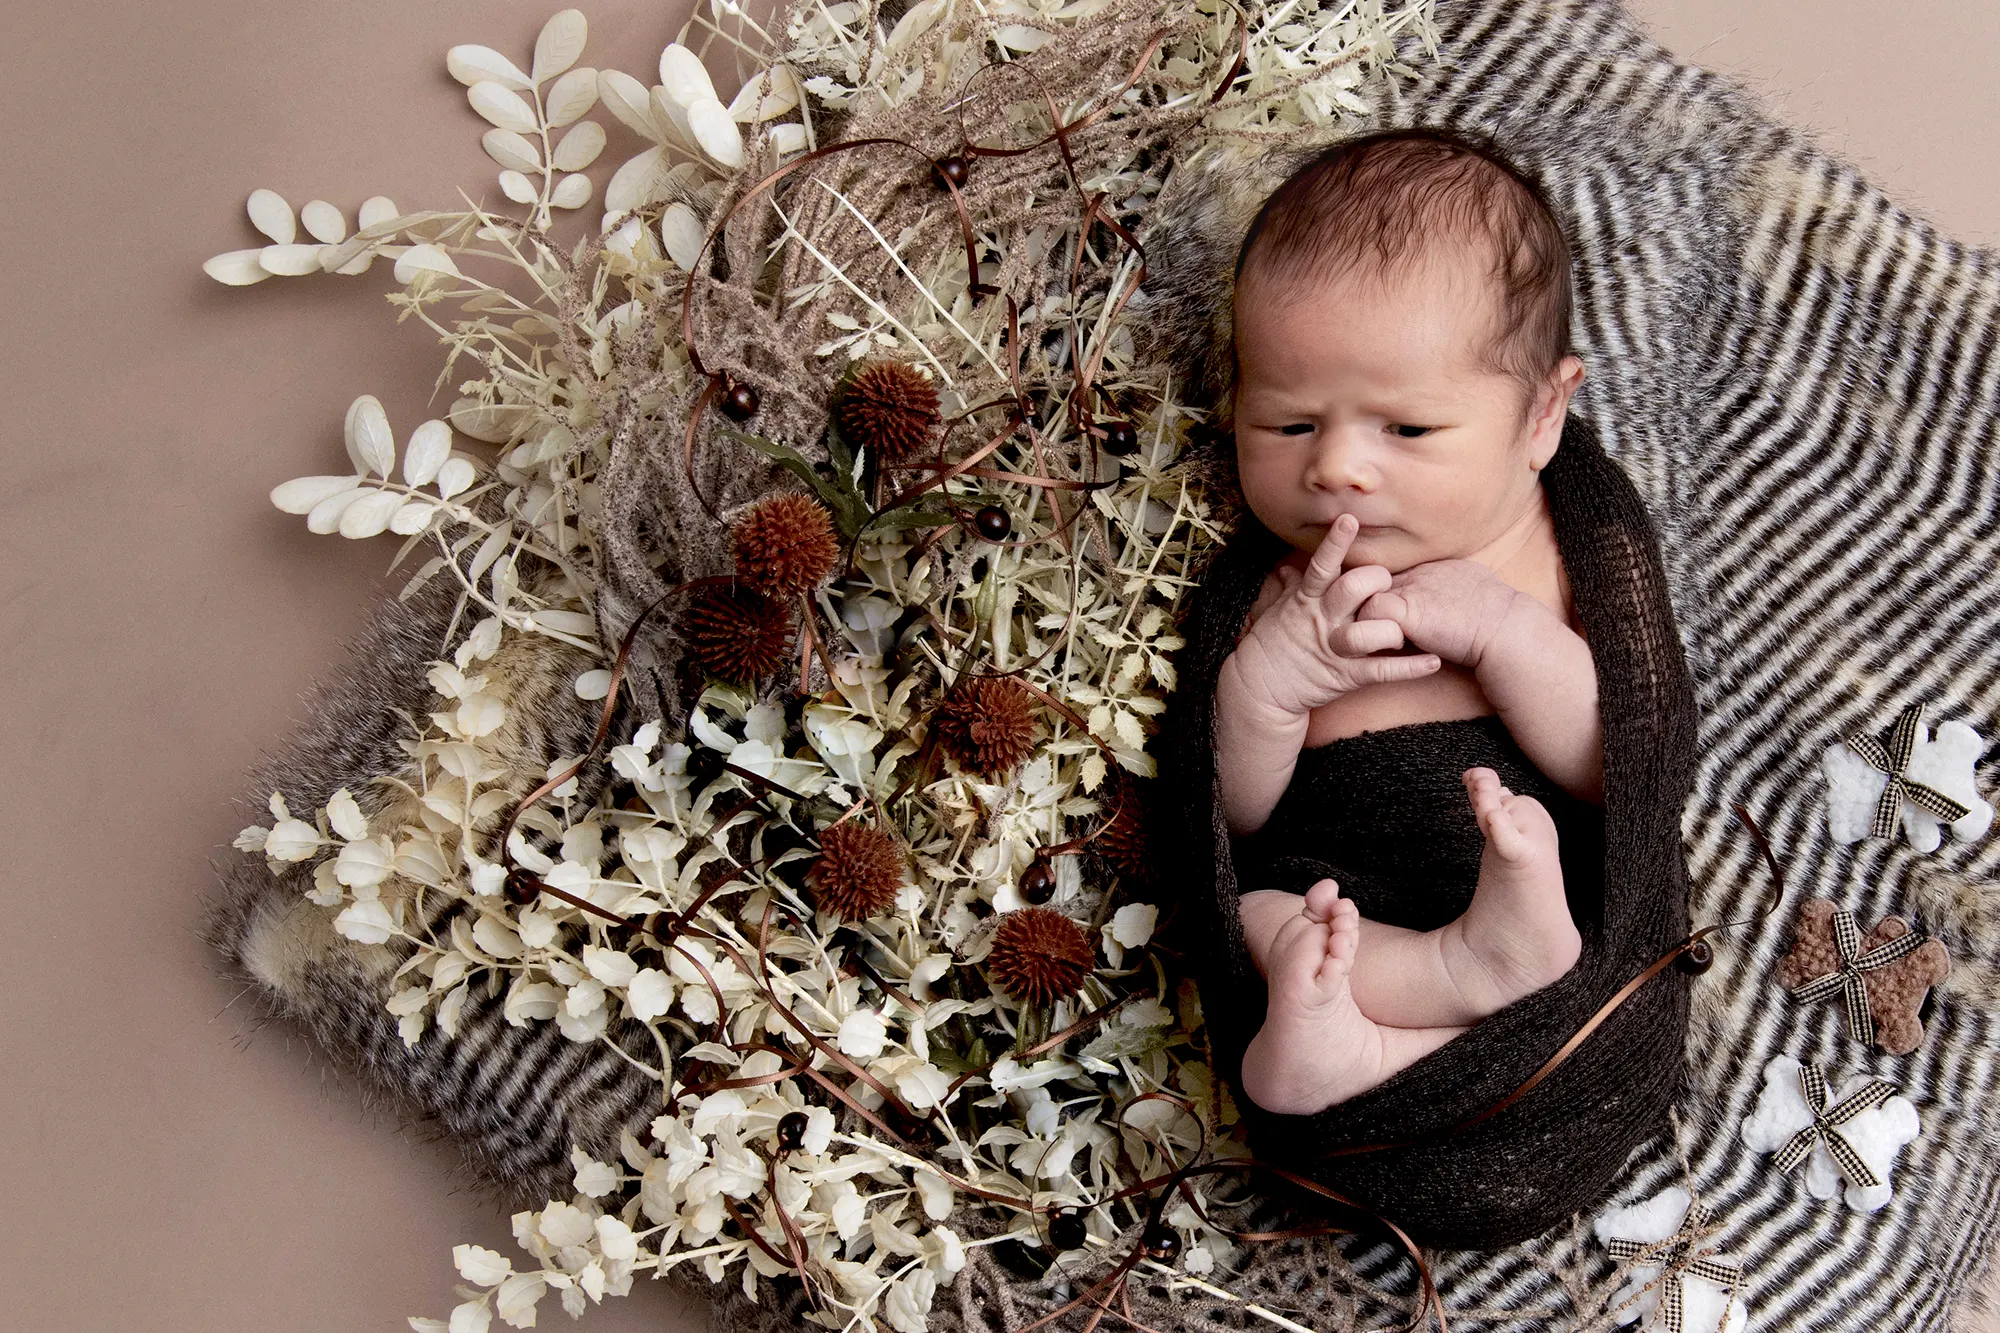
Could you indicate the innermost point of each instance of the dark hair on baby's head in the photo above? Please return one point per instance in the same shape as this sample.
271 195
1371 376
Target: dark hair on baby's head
1397 193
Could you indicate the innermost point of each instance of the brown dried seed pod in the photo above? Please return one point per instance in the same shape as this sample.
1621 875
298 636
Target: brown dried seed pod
736 633
785 544
987 724
859 871
887 407
1039 956
1123 840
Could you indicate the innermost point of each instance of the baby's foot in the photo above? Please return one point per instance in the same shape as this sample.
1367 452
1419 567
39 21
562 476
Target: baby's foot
1316 1046
1517 936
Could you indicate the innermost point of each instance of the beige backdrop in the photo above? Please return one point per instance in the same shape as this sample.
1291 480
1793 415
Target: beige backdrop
166 1164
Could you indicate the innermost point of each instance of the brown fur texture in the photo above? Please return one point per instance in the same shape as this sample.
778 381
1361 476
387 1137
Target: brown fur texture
1895 990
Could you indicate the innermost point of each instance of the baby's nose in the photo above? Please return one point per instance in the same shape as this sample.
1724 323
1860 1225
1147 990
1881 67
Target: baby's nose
1341 464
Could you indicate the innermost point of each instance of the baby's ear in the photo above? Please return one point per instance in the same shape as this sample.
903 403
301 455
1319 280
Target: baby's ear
1550 411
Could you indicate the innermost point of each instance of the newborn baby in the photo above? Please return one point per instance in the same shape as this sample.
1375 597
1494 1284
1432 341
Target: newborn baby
1403 378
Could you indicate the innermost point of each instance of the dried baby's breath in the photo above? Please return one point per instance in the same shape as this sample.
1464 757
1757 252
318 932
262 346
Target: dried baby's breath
565 357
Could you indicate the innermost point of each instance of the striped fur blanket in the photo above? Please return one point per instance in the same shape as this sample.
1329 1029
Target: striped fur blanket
1800 379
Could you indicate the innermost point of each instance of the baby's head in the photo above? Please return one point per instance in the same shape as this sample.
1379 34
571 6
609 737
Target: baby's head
1402 348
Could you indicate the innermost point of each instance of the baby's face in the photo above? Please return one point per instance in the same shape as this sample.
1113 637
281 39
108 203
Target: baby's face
1364 397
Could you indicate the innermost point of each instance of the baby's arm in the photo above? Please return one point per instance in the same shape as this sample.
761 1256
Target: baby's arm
1304 649
1537 672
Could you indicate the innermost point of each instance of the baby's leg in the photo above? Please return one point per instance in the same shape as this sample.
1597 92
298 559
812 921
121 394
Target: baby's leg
1515 938
1316 1047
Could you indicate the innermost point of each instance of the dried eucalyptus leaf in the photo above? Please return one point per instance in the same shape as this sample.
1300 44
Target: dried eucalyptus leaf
559 44
517 187
302 495
748 108
290 260
369 516
630 102
470 64
501 107
570 96
270 214
717 134
376 210
369 441
237 268
324 222
429 447
684 76
579 148
681 233
510 150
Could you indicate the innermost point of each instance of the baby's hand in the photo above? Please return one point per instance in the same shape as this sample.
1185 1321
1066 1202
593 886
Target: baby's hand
1304 648
1458 609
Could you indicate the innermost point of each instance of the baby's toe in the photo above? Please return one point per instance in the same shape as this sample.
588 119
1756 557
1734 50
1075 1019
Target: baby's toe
1321 900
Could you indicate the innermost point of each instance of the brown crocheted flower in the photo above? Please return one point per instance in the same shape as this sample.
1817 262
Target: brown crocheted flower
859 871
987 724
1039 956
888 407
1895 989
786 545
736 633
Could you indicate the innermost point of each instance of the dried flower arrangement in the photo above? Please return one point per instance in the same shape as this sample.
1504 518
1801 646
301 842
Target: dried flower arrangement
865 857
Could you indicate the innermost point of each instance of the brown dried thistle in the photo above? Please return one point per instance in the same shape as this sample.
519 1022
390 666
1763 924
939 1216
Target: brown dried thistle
887 407
786 544
986 724
859 871
736 633
1040 956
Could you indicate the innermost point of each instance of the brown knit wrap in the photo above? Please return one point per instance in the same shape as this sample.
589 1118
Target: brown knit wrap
1559 1149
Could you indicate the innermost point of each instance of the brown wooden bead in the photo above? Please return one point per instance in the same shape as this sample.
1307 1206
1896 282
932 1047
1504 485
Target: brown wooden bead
522 886
993 523
1699 957
1121 439
1038 882
739 402
1066 1230
954 169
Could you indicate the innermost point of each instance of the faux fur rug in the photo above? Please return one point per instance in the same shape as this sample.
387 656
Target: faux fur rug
1800 379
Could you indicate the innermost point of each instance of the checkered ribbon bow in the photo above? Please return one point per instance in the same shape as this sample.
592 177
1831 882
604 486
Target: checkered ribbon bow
1893 759
1678 1258
1826 1124
1847 980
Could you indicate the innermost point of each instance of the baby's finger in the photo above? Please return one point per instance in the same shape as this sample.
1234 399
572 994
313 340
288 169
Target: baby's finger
1385 605
1358 638
1384 670
1328 556
1354 589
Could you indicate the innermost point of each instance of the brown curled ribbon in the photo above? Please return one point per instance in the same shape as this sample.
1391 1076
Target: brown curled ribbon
1826 1123
1847 981
1677 1257
1893 759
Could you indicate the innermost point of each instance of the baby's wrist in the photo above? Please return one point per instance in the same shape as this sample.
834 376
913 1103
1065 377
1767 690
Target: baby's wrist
1244 701
1520 623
